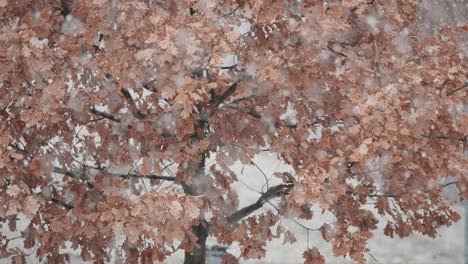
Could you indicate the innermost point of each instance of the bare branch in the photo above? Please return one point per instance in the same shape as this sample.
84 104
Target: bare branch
15 146
73 176
231 67
271 193
330 47
123 176
462 139
230 13
62 204
449 183
376 260
391 195
254 114
384 195
457 89
148 176
147 86
105 115
263 173
136 113
239 100
227 93
66 173
295 221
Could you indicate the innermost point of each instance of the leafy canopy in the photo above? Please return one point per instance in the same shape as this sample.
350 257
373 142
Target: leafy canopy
100 102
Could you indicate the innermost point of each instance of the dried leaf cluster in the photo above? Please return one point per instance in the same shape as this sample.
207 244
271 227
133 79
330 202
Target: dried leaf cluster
100 101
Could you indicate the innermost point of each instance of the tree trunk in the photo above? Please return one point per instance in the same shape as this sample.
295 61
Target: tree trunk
197 187
198 253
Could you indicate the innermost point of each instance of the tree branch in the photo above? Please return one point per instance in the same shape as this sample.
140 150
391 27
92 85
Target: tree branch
254 114
105 115
231 67
462 139
148 176
62 204
391 195
15 146
226 93
384 195
331 48
230 13
271 193
123 176
449 183
147 86
239 100
457 89
73 176
136 113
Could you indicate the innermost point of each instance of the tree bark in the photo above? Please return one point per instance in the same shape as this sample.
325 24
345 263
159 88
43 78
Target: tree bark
198 253
271 193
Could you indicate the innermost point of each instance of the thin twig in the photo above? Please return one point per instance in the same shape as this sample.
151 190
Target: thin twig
376 260
330 47
248 187
294 220
463 139
230 13
263 173
449 183
167 166
457 89
86 165
271 193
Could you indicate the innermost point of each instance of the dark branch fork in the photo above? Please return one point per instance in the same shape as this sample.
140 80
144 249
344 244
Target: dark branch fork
136 113
126 93
226 93
271 193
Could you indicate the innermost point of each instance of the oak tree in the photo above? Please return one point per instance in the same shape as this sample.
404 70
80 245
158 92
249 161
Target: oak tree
121 120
